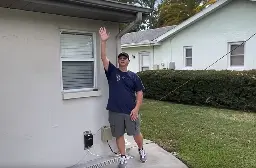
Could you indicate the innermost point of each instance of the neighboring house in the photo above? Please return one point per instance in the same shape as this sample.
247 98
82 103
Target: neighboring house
201 40
144 52
53 85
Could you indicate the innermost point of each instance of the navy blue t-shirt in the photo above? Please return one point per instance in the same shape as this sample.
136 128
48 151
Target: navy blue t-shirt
122 89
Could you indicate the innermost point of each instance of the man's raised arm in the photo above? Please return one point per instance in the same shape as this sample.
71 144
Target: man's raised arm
104 37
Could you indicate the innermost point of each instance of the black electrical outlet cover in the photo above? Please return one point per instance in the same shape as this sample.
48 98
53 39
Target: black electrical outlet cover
88 141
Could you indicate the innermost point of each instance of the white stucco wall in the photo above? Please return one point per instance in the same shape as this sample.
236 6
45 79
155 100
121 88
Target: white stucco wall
38 128
210 36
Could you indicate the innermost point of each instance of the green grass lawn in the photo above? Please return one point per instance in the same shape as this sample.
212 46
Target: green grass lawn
202 137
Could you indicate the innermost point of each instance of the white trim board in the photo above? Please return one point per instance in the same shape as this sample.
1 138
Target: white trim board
132 45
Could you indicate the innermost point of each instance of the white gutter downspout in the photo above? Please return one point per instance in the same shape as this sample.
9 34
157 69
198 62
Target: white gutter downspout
124 31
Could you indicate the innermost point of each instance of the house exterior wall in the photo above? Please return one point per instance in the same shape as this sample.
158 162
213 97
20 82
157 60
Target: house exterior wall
38 128
134 64
209 37
209 40
163 54
159 55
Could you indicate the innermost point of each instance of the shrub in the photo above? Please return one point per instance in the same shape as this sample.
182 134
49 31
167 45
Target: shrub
223 89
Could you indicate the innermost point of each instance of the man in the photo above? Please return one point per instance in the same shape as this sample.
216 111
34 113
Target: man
125 99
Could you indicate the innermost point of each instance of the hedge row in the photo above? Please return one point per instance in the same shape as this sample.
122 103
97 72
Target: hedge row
222 89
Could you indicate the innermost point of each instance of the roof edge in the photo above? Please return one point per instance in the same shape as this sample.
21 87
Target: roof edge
121 12
111 4
193 19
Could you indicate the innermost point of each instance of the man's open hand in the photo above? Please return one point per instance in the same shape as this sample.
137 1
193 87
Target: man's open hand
134 114
103 34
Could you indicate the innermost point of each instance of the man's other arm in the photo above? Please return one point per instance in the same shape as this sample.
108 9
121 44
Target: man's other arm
139 91
139 99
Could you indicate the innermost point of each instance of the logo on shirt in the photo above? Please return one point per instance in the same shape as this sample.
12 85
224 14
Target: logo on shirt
118 77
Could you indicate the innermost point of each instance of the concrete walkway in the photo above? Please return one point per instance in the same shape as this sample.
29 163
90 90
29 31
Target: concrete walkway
157 157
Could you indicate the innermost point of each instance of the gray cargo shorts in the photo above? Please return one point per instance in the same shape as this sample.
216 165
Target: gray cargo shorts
121 123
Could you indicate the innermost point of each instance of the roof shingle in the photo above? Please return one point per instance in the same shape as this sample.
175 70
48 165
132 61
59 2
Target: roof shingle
144 36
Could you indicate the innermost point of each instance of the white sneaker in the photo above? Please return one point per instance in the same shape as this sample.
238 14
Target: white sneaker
122 162
143 156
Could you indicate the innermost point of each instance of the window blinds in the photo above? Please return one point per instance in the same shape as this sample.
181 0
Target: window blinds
77 61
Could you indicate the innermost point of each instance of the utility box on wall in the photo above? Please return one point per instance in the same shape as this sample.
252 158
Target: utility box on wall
106 134
172 65
155 67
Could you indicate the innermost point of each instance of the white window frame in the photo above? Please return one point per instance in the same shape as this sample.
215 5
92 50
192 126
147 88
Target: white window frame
140 60
84 92
229 58
185 56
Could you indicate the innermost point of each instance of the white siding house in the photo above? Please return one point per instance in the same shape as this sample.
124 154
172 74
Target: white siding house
204 38
144 52
53 86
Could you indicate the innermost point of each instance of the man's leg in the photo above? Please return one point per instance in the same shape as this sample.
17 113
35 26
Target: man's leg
117 124
139 140
121 145
133 129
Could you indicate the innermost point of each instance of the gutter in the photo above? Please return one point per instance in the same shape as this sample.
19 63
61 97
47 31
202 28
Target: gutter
137 21
132 45
110 4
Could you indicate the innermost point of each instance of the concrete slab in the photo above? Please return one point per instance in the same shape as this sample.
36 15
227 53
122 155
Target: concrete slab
157 157
130 143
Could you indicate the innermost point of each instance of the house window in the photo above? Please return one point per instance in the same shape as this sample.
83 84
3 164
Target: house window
236 54
188 56
78 61
144 60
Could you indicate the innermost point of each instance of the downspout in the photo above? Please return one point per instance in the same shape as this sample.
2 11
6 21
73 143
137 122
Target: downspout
124 31
171 50
153 56
171 47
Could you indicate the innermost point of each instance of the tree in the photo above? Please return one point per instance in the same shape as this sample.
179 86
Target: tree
151 20
173 12
205 5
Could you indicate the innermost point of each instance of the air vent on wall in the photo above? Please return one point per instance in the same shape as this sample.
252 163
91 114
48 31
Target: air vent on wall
156 67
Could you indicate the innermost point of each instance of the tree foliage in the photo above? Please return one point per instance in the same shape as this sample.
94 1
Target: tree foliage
206 4
150 21
167 12
173 12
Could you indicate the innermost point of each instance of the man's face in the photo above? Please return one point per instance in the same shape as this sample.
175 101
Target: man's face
123 61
